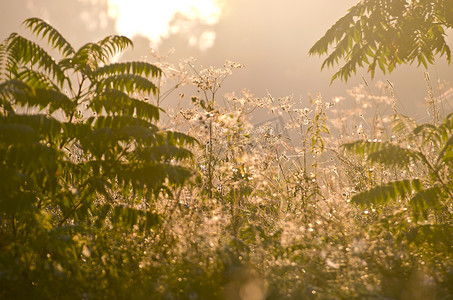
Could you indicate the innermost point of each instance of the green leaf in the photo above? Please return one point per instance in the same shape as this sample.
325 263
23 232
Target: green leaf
163 153
383 194
446 154
22 51
43 126
135 68
36 79
128 217
398 33
112 45
425 200
19 92
17 133
181 139
43 29
117 102
384 153
129 83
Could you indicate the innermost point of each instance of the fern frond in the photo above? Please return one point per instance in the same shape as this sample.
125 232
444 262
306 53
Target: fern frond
425 200
387 31
137 133
125 216
75 131
7 62
108 131
333 34
437 135
44 127
118 122
11 90
137 177
32 159
20 93
383 194
129 83
177 175
16 91
55 100
54 38
100 142
128 217
16 134
163 153
181 139
384 152
152 176
112 45
446 154
334 57
85 60
438 235
21 51
36 79
118 102
446 127
135 68
403 126
35 162
429 134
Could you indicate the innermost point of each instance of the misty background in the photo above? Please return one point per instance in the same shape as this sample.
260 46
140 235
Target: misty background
271 38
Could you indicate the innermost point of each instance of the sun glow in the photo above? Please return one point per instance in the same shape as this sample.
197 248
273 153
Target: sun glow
153 18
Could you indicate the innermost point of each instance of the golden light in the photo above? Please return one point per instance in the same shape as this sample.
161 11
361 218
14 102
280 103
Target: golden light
152 18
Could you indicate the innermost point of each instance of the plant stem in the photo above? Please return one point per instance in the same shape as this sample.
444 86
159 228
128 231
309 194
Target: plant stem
210 160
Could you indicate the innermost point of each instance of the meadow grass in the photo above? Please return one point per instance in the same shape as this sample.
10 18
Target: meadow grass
268 214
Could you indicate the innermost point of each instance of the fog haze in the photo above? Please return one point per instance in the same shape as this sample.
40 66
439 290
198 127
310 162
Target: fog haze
271 38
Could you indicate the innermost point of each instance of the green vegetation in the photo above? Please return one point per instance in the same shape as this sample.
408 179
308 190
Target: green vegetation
81 162
104 195
387 33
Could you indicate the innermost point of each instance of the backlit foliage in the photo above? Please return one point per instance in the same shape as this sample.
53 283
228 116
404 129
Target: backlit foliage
312 201
79 152
387 33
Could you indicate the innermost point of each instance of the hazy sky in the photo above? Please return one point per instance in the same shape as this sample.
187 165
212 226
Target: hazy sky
271 38
131 21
